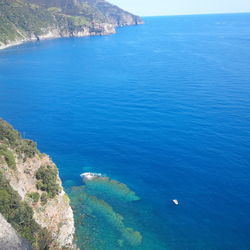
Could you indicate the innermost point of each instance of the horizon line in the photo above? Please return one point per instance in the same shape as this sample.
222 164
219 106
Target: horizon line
197 14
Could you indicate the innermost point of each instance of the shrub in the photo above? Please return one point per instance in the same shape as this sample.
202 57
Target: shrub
28 148
34 196
47 180
8 134
8 156
20 216
44 198
11 138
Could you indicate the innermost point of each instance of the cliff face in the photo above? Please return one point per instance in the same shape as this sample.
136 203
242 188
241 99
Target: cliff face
31 181
114 14
27 20
9 239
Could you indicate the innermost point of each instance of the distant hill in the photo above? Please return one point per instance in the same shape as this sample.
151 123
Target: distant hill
26 20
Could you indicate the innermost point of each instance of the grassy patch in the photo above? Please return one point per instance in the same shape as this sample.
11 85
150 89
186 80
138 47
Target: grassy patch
35 196
8 156
80 21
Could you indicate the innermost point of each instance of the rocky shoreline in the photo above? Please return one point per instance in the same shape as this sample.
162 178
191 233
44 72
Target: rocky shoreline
35 20
106 29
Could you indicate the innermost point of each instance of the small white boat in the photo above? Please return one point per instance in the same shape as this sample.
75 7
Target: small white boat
176 202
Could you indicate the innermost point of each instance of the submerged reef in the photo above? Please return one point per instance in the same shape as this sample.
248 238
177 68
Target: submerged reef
93 208
108 187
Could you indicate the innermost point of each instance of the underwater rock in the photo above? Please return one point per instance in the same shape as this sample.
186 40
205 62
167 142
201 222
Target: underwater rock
96 207
98 184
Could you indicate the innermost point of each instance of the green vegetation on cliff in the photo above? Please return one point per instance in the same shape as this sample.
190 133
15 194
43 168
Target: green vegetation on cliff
10 139
19 19
11 142
35 196
47 180
17 212
27 182
7 156
20 216
22 20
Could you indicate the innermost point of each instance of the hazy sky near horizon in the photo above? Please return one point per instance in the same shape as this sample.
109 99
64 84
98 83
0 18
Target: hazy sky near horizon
179 7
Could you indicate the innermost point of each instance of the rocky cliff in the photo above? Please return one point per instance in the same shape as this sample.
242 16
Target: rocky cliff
32 199
27 20
9 238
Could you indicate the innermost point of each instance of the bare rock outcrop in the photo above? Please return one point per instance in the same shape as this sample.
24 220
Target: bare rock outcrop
9 239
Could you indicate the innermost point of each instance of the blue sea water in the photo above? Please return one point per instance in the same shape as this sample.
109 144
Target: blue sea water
163 107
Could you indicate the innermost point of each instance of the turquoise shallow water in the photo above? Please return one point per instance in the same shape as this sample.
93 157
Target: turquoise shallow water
163 108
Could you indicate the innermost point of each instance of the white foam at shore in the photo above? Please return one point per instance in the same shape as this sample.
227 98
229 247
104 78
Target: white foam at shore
90 176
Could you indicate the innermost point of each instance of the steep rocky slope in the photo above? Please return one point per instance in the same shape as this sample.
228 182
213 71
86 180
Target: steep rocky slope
9 239
26 20
114 14
32 199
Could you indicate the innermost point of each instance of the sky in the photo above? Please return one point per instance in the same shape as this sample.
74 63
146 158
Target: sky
180 7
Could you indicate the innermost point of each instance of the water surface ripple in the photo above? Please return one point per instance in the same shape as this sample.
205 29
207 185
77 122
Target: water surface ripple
162 107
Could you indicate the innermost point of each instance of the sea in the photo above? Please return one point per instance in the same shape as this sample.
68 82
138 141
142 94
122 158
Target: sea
161 111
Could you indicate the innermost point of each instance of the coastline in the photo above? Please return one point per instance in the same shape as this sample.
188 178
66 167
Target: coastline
104 30
143 107
56 35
